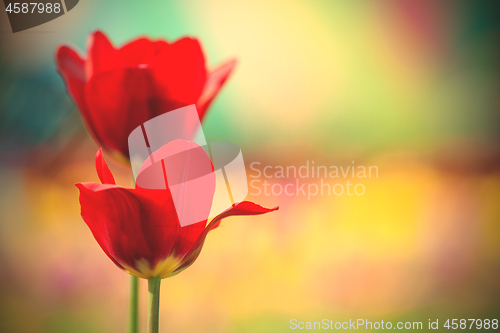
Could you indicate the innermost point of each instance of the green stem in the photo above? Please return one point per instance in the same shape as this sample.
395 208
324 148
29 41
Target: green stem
154 304
133 314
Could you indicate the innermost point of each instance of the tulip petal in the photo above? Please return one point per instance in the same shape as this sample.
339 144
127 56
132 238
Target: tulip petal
102 55
159 224
136 228
120 100
160 46
113 216
72 69
186 238
96 220
159 221
138 52
102 168
180 71
242 208
214 83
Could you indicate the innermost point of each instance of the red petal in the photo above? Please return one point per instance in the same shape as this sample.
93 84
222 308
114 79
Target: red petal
102 55
188 172
130 225
180 71
186 238
72 69
99 212
120 100
159 223
242 208
213 84
137 52
160 46
102 168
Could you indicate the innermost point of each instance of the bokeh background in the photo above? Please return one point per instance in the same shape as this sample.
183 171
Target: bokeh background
409 86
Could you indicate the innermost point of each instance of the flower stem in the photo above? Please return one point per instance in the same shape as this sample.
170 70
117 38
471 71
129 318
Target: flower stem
154 304
133 311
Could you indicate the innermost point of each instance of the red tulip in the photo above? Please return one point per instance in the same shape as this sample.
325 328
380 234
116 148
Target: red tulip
139 229
117 90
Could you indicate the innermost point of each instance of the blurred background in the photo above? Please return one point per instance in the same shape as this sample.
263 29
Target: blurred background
411 87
